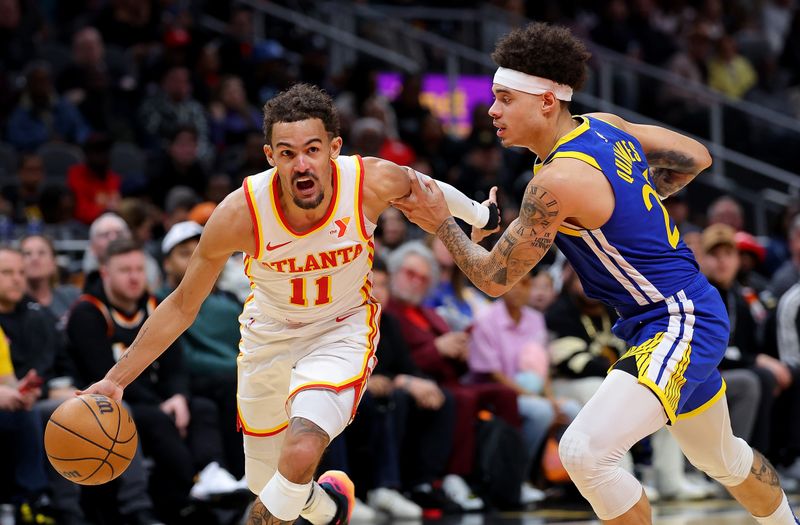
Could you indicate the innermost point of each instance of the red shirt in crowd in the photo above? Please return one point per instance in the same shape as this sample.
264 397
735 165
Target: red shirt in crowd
93 195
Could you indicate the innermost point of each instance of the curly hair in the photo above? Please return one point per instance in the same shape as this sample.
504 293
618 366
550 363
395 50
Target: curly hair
545 51
301 102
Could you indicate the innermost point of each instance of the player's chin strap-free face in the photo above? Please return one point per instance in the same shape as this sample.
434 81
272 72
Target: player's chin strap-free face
531 84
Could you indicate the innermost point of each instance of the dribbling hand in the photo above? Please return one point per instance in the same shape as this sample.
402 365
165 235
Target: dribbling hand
105 387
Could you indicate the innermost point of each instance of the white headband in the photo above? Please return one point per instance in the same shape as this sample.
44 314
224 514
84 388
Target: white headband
531 84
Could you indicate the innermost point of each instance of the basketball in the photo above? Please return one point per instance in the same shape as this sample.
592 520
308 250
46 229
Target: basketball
90 439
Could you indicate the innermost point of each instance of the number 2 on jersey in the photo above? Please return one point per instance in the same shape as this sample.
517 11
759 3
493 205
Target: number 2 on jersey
298 296
649 195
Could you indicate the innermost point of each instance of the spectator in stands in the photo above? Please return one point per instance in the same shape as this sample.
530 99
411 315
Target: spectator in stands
543 290
409 110
180 432
369 137
57 204
236 48
440 353
751 375
726 210
392 231
787 415
21 429
173 107
41 275
583 348
20 27
788 274
24 197
686 108
729 72
103 230
94 184
211 343
509 346
141 217
251 161
752 256
41 115
129 24
232 115
178 165
98 87
453 297
412 418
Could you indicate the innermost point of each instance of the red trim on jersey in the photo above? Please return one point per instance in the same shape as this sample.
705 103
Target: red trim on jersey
328 212
97 303
251 206
362 221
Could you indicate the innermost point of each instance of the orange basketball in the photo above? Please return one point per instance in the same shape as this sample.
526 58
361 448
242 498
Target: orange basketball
90 439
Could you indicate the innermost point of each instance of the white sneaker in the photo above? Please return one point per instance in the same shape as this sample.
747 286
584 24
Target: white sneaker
530 494
394 504
362 513
213 480
458 491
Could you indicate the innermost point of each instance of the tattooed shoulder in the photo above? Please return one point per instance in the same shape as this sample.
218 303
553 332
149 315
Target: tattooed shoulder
539 209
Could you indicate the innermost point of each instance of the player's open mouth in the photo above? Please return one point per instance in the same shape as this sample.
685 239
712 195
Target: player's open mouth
305 186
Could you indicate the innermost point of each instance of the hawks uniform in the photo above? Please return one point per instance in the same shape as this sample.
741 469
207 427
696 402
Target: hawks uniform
673 319
310 323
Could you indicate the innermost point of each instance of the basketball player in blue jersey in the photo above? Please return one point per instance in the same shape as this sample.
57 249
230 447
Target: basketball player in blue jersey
596 194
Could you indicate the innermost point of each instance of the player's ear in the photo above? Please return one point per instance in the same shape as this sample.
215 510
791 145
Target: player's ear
336 147
549 102
268 152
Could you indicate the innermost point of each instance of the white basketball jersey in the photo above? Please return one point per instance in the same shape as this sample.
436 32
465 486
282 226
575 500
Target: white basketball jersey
305 277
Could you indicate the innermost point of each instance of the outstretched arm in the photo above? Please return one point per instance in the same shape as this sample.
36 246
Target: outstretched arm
521 246
674 159
228 230
386 182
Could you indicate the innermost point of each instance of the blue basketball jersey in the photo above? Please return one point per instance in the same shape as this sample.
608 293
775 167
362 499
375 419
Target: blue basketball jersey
636 258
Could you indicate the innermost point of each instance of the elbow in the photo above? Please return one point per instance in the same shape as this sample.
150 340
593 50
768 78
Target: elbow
704 160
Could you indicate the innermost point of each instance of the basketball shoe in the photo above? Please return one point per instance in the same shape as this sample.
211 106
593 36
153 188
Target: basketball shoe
339 487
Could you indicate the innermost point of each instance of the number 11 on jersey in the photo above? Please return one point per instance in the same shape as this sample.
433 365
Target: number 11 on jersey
298 296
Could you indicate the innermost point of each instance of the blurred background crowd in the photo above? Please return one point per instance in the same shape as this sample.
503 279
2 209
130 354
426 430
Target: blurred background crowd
123 123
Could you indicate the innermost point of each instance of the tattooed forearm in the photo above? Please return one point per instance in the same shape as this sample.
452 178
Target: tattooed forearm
259 515
763 470
671 170
520 247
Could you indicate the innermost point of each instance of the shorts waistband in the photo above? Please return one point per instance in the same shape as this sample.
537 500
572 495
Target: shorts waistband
696 287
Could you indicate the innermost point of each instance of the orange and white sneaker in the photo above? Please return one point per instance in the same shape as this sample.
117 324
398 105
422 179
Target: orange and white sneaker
339 487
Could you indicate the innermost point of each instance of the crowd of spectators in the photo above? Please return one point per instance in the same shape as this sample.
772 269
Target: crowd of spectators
127 121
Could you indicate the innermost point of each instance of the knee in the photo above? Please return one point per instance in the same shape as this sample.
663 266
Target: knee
586 463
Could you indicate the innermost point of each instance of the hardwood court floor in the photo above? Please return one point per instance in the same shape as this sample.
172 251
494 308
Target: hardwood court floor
709 512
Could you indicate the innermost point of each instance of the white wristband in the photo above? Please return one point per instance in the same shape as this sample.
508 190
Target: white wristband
461 206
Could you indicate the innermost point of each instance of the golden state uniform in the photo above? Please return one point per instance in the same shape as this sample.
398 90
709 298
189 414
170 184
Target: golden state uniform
310 325
674 321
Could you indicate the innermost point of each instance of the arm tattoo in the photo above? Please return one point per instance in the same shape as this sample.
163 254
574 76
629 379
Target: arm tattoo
521 246
259 515
765 473
670 170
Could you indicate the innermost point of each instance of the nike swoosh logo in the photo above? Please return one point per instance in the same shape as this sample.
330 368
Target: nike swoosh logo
276 246
342 318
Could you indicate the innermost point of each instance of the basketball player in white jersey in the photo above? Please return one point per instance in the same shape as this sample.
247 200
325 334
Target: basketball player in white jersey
310 327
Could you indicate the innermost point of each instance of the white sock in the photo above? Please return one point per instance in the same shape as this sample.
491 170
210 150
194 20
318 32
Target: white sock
320 507
284 499
783 515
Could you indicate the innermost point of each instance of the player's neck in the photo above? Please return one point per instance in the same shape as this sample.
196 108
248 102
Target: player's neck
544 143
